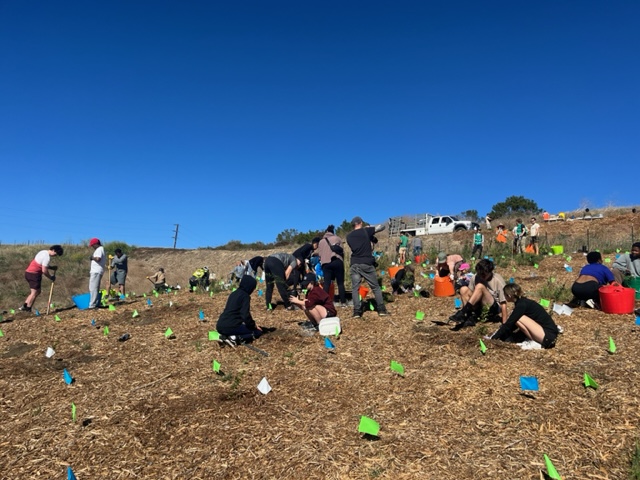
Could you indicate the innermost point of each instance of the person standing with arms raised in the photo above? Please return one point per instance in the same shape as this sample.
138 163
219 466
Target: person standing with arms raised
362 265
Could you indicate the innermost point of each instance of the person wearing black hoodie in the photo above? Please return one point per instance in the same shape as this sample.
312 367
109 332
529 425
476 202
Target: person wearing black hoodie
236 321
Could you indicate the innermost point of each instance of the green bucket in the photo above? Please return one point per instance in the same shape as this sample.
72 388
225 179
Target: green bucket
633 282
557 249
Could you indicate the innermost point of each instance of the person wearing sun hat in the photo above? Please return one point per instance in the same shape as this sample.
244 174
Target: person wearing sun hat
98 262
448 262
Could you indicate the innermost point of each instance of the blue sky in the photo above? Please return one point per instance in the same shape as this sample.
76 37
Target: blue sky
239 120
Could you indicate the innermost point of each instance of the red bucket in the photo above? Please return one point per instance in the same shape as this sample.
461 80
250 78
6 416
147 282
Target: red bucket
615 298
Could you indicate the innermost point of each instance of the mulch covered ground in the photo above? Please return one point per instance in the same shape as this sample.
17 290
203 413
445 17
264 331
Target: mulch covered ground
153 408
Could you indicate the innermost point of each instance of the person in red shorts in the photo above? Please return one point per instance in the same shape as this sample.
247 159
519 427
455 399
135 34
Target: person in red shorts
38 267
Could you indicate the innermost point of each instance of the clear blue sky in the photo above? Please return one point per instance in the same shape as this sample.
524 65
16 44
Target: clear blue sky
241 119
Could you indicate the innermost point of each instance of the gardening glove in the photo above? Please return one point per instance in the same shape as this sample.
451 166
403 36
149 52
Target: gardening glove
53 278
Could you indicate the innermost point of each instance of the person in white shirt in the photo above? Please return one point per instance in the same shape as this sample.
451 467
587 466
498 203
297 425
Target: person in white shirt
98 262
38 268
533 239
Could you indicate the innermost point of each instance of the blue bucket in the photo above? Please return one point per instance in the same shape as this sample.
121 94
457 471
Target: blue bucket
82 300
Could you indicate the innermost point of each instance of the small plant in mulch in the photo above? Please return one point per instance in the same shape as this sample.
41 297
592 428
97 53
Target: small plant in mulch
553 290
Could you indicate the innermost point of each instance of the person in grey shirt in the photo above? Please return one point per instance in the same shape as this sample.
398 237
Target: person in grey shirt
278 267
119 269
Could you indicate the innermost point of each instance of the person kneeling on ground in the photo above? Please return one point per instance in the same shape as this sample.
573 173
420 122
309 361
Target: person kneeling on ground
317 304
159 280
529 317
586 288
236 325
485 289
404 280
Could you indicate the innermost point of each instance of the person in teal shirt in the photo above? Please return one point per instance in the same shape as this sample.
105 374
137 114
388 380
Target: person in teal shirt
402 249
478 244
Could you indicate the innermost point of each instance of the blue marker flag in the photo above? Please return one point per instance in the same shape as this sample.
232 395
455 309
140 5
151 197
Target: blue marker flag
457 303
201 315
638 320
529 383
70 475
327 343
68 379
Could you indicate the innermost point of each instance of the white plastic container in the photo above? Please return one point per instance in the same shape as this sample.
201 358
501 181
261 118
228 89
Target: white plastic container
329 326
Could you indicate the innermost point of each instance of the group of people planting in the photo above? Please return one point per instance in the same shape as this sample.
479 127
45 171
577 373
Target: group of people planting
484 294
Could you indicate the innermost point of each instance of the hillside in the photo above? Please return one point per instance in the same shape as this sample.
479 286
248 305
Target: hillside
152 408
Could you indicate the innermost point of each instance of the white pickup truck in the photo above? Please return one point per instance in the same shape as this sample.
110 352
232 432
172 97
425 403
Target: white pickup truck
426 224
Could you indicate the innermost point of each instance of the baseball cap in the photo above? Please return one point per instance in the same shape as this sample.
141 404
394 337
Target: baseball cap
356 220
93 242
442 257
308 278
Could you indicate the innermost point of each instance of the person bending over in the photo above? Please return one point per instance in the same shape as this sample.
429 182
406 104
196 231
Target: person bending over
529 317
317 304
236 324
592 276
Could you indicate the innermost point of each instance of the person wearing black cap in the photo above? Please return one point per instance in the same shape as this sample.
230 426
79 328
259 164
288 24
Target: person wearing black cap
362 264
304 255
317 304
278 267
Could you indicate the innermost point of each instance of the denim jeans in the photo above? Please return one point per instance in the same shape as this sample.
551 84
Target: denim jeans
368 272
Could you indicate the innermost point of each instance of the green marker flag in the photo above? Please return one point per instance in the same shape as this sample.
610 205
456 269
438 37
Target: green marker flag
416 293
535 265
1 334
73 411
552 279
194 288
551 470
12 311
419 315
56 318
371 307
369 426
590 382
397 367
607 260
112 308
156 294
213 335
105 331
612 345
337 331
216 366
569 259
52 305
211 293
269 307
168 332
126 295
383 288
483 347
135 314
544 302
144 295
424 274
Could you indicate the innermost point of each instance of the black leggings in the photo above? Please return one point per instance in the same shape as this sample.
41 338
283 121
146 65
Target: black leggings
586 291
334 271
274 273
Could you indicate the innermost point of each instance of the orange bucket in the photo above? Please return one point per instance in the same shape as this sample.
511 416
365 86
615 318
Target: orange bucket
443 287
615 298
393 271
363 291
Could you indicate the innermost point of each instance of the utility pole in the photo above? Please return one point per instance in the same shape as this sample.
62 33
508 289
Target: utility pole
175 235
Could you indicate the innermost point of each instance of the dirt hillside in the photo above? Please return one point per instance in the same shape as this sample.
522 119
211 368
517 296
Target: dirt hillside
151 407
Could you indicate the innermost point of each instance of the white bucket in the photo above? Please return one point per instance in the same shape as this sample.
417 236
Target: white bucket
329 326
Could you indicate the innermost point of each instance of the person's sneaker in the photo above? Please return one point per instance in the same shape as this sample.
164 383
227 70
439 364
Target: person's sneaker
290 308
590 303
637 311
24 308
383 313
357 314
231 340
560 329
465 323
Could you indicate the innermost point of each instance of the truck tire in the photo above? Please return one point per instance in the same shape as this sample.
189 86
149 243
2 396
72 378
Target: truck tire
459 228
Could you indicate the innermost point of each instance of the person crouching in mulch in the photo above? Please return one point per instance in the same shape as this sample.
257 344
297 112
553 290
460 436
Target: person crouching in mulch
236 325
317 304
529 317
